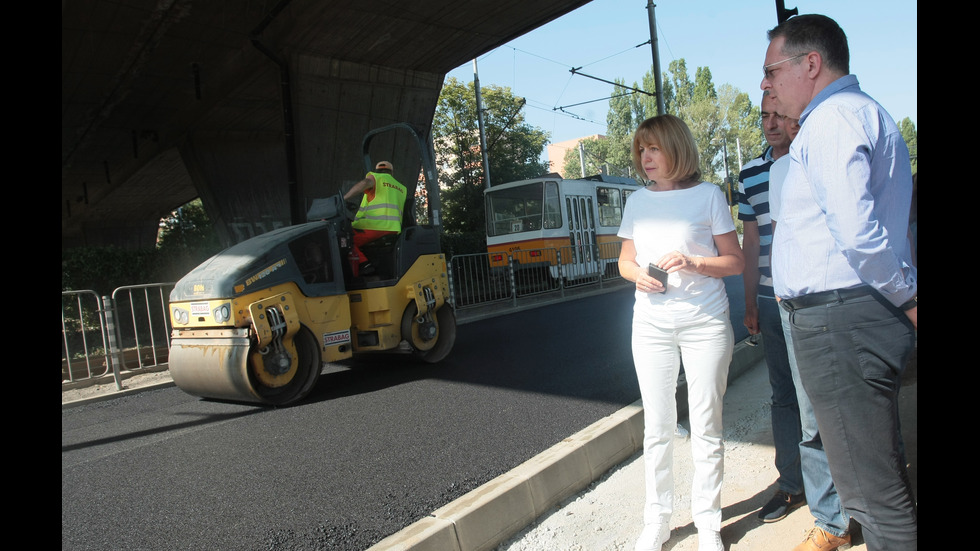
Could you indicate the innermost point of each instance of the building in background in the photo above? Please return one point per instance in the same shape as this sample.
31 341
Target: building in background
556 152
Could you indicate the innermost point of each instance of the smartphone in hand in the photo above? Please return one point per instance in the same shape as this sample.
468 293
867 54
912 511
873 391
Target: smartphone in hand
657 273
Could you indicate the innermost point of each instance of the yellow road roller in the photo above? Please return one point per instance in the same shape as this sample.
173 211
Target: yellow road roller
258 321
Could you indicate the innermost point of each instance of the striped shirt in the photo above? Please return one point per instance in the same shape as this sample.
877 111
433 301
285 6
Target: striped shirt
753 206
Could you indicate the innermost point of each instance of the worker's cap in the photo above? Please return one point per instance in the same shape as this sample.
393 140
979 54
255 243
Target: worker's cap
383 165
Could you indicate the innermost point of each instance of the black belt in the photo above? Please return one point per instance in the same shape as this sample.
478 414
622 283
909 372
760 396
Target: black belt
826 297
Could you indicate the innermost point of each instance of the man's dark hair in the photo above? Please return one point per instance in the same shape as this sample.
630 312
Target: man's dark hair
814 32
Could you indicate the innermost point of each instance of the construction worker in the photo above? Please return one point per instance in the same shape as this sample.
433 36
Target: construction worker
379 214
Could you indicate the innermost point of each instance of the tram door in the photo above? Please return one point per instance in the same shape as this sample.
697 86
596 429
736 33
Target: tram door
583 261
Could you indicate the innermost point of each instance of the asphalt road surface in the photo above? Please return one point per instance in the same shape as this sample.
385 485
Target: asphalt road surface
376 446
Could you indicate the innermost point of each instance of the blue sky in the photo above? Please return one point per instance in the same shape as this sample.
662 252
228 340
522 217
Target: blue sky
728 37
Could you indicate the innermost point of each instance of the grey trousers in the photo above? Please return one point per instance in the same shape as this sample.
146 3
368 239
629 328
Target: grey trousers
851 355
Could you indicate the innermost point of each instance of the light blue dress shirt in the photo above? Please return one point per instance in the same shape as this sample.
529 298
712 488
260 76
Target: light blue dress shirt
844 206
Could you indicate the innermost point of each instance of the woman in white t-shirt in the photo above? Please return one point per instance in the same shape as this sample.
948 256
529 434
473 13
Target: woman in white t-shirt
683 226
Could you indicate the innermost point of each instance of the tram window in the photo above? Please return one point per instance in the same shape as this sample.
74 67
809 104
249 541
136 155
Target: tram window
610 206
552 206
522 208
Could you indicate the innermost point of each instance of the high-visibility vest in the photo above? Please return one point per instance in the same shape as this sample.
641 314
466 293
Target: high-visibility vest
382 207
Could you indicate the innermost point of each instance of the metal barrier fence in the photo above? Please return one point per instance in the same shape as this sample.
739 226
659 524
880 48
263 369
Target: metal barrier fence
128 330
477 279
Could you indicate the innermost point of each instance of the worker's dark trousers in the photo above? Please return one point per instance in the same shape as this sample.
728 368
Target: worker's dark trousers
361 238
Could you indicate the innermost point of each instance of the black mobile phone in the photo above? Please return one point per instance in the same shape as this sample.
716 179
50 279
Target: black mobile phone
658 274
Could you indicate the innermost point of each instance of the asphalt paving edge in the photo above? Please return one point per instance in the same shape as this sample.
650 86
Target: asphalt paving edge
485 517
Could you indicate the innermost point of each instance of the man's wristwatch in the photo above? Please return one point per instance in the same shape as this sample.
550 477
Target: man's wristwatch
912 303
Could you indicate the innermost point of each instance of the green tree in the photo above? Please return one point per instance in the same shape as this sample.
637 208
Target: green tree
704 89
696 103
597 159
626 111
911 137
513 147
187 227
678 89
723 120
740 128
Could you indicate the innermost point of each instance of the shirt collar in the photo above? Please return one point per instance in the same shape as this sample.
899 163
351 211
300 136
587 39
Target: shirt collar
767 154
843 83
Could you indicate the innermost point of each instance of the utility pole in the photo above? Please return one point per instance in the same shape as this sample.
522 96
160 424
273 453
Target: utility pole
656 56
728 178
479 118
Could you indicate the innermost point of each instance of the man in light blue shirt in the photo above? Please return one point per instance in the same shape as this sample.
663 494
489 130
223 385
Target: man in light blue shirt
842 267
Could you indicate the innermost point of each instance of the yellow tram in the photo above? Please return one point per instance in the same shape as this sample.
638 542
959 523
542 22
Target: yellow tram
565 225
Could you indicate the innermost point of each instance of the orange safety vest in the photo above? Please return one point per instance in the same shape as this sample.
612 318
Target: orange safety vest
382 207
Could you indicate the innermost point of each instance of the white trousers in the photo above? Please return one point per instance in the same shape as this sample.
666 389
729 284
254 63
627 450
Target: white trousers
706 348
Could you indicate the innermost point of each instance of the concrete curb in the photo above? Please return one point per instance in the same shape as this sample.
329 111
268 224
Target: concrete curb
485 517
114 395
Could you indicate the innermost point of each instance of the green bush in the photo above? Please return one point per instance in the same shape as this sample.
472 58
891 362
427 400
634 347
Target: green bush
187 238
463 243
103 269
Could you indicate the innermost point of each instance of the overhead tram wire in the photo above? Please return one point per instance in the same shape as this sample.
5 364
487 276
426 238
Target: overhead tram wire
577 71
569 113
614 55
601 99
574 71
572 115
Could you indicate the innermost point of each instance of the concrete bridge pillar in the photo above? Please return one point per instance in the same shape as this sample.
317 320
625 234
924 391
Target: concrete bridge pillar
243 175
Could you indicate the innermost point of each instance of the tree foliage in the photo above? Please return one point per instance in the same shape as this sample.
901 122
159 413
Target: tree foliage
911 137
186 239
187 227
625 114
597 156
513 148
723 121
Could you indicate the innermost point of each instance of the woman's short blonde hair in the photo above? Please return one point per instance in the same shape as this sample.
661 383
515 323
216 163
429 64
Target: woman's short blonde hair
675 140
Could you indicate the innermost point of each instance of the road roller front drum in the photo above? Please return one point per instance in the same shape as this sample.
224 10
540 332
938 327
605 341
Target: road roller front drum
287 370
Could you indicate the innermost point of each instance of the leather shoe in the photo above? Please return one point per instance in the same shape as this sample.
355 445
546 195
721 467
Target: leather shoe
819 539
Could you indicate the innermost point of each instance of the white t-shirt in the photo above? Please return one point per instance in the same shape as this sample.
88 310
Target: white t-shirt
683 220
777 173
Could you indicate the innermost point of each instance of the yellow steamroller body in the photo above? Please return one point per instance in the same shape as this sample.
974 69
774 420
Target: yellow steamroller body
257 321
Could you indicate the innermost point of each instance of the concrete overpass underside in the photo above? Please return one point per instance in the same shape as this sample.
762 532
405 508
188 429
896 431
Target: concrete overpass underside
255 106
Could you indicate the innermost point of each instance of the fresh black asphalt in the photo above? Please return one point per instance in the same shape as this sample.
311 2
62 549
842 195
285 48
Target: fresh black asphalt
374 447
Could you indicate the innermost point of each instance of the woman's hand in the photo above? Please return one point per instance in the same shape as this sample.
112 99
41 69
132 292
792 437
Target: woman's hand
730 259
646 283
630 269
674 261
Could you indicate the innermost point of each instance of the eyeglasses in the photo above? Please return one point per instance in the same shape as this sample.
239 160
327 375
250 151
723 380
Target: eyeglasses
770 115
767 74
